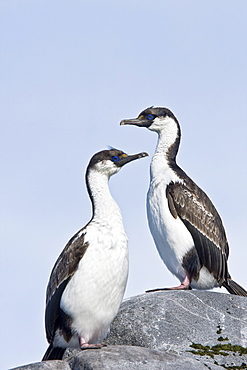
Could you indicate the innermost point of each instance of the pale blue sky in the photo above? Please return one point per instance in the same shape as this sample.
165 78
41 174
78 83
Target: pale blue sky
70 71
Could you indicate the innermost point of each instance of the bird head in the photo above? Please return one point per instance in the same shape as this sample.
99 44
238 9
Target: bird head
155 119
109 162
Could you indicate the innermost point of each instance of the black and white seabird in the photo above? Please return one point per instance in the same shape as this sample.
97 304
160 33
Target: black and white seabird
185 225
88 280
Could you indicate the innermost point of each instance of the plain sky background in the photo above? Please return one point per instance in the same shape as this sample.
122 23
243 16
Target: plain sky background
70 71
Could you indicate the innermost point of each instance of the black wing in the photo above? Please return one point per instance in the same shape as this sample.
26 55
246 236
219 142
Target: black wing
201 218
61 274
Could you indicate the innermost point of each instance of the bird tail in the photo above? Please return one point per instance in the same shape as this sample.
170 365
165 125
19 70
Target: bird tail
53 353
234 288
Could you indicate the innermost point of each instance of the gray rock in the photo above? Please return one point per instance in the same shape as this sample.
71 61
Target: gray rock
120 357
133 358
168 330
46 365
174 320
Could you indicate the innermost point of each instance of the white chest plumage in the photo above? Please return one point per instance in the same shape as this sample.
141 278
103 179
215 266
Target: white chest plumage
94 294
171 237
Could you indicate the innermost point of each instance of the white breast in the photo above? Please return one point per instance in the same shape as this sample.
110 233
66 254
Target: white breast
94 294
170 235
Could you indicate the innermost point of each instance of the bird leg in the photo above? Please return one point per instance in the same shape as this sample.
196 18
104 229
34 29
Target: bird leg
185 285
85 345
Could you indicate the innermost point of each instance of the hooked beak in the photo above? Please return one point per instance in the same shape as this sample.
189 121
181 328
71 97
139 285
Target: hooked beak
140 122
128 158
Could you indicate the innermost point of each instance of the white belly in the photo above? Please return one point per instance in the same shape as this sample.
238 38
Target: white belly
172 238
95 292
170 235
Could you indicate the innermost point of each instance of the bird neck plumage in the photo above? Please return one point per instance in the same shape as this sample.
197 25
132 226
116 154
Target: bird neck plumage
165 154
103 204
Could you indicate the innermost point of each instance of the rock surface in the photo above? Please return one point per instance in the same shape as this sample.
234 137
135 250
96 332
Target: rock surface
174 330
47 365
174 320
133 358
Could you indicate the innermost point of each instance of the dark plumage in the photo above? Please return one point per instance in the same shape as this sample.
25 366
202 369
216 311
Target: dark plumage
186 227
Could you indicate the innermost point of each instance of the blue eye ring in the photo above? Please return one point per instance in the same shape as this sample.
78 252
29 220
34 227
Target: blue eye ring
115 158
150 117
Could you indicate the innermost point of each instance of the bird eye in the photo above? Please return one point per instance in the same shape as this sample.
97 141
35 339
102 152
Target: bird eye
150 117
115 158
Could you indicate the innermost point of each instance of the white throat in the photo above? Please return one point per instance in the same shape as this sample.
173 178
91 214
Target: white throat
105 207
159 163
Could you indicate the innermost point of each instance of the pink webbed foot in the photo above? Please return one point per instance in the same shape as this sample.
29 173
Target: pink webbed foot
92 346
85 345
185 285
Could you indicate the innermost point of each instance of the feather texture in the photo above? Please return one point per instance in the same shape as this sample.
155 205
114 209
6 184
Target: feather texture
201 218
61 274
